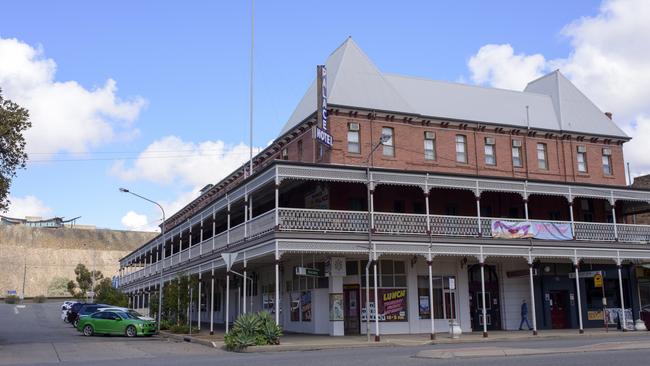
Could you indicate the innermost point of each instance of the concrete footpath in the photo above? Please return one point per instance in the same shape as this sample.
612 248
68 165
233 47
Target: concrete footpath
309 342
482 352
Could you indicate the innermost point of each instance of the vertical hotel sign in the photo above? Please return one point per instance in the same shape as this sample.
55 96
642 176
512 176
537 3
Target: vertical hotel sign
321 131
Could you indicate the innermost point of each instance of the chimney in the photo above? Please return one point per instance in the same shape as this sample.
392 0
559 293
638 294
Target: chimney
609 115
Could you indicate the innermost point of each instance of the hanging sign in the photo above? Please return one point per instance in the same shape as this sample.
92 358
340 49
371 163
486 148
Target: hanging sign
598 280
585 274
321 133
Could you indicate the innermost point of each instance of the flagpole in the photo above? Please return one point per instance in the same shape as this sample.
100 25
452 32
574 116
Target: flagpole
250 167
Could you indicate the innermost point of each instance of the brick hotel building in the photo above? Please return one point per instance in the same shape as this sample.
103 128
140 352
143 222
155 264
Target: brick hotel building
451 201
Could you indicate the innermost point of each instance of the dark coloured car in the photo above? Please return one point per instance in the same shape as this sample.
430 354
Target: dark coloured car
85 310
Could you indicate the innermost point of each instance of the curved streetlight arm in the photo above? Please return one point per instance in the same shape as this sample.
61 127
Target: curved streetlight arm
162 234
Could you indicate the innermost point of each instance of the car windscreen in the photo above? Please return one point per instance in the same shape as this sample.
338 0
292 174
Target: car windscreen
134 313
126 315
88 309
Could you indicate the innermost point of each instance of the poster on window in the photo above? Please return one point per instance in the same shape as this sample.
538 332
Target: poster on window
336 307
392 306
294 306
305 305
425 309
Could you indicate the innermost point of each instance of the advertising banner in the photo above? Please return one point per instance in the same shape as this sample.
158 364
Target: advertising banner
503 229
392 305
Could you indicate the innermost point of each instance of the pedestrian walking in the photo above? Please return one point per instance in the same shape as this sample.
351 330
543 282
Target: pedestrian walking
524 316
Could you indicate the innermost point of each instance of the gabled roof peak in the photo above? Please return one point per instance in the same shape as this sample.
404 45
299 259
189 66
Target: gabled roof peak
553 101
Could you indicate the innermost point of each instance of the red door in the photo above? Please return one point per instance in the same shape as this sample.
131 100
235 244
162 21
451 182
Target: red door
559 309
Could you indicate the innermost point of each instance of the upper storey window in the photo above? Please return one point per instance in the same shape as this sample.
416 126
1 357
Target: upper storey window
354 145
516 154
461 148
542 156
581 159
429 145
389 147
490 151
607 161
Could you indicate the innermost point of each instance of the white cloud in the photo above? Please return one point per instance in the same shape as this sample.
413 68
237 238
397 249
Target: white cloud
27 206
65 116
172 160
609 63
498 66
135 221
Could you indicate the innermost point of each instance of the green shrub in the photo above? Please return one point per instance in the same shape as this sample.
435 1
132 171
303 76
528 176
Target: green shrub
12 299
182 329
40 299
253 330
165 324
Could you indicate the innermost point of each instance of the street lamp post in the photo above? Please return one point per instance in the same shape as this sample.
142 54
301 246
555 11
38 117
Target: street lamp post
162 267
371 248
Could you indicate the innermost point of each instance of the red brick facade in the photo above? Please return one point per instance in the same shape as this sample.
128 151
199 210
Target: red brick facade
409 151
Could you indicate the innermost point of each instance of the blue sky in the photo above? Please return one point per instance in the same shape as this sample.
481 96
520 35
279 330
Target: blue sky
184 71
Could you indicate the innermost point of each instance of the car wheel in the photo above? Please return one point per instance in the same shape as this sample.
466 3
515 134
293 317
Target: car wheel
88 330
130 331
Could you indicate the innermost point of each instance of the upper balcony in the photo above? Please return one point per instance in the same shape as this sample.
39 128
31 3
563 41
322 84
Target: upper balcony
290 198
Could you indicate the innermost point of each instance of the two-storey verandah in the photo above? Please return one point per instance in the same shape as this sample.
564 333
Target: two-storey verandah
293 215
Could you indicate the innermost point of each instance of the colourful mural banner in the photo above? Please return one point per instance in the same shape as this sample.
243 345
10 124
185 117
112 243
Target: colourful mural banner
502 229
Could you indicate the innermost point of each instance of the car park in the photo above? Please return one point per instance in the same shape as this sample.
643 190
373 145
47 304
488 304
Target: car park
115 322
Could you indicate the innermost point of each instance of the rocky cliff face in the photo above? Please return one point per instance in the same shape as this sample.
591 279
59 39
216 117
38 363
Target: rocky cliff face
47 257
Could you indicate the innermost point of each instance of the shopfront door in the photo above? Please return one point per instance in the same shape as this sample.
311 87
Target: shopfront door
351 320
492 305
559 309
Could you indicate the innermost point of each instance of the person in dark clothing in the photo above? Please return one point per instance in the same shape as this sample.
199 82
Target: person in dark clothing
524 316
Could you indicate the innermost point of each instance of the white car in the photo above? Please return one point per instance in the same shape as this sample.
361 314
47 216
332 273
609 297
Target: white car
128 311
64 310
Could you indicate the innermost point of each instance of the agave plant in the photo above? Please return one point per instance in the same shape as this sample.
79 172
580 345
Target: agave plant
253 330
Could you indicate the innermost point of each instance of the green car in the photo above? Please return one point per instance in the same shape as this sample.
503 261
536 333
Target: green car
115 322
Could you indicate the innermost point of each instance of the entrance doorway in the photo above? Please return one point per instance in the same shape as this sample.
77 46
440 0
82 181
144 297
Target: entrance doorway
351 304
492 305
559 309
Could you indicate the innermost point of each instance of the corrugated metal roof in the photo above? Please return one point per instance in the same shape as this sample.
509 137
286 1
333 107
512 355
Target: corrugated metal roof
553 102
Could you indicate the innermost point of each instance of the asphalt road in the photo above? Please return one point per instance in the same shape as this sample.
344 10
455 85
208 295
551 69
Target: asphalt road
35 335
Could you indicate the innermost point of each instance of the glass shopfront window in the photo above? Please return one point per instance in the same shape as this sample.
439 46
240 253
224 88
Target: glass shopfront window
443 297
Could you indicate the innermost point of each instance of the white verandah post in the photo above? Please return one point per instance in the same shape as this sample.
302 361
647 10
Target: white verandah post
576 262
532 293
620 287
212 301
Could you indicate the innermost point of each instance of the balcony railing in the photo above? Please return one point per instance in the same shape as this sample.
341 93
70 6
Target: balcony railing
310 220
295 219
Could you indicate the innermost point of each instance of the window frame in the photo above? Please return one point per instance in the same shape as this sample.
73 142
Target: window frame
606 161
581 155
430 153
388 147
357 143
544 160
520 154
461 139
490 142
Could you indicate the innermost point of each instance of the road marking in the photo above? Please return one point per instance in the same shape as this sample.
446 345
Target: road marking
16 310
21 306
